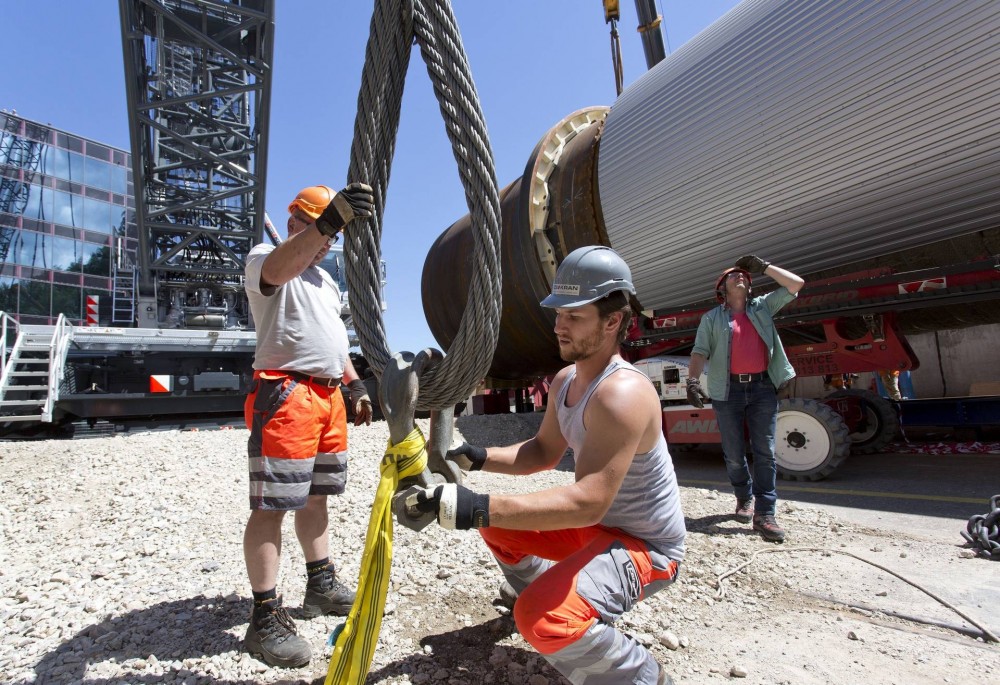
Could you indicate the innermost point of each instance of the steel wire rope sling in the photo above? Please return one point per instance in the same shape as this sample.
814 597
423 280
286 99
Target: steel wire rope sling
429 381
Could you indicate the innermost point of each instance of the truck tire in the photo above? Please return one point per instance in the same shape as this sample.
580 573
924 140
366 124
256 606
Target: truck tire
810 441
882 418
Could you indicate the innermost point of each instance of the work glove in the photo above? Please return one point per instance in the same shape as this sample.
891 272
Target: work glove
456 507
696 396
360 402
752 263
467 457
353 202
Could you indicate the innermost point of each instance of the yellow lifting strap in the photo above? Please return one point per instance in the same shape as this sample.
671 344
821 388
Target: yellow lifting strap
355 644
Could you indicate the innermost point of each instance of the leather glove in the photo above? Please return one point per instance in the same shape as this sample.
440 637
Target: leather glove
456 507
353 202
696 396
467 457
752 263
360 402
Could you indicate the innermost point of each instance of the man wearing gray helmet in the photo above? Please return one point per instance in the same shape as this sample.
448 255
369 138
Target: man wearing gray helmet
578 556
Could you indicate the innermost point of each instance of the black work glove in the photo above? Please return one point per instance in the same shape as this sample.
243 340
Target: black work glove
457 507
752 263
467 457
696 396
353 202
361 403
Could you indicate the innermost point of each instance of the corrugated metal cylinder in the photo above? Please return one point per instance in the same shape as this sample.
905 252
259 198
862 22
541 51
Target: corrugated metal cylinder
815 134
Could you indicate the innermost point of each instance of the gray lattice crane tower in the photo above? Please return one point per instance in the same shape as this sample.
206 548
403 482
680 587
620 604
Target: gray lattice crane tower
198 82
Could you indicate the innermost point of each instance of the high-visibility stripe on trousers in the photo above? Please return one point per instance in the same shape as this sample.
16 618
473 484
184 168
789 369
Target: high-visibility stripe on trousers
573 585
298 441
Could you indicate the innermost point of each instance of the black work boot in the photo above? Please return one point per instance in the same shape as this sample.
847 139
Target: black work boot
768 528
326 595
744 509
271 635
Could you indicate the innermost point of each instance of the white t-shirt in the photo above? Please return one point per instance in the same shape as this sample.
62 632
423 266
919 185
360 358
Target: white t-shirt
298 324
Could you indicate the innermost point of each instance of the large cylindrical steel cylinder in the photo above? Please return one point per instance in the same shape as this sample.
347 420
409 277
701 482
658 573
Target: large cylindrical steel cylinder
819 135
814 134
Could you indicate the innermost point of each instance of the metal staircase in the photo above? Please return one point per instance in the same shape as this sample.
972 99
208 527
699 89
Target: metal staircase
31 374
123 295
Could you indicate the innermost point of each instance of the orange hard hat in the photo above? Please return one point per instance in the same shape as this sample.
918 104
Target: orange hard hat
720 285
312 200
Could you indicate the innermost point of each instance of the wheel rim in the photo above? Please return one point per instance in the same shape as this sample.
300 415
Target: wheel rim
874 426
801 441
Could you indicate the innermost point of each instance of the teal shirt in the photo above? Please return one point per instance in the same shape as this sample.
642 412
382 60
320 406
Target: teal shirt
716 330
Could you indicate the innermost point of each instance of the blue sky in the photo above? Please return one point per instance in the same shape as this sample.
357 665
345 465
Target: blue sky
533 61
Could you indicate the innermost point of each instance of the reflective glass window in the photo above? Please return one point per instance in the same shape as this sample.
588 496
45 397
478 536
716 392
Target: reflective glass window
8 295
66 254
96 259
35 298
39 203
12 150
76 167
4 137
55 162
32 249
8 236
98 173
66 300
119 182
118 215
67 209
97 215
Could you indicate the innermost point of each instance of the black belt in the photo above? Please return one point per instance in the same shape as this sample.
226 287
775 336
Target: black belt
315 380
747 377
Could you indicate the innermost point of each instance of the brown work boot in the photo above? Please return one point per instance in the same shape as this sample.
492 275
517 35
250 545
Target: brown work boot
768 528
271 636
326 595
744 509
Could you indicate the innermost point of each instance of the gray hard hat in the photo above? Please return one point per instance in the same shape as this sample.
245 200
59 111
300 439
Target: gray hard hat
588 274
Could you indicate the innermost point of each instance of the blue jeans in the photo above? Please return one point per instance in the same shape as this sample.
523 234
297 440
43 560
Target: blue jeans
755 403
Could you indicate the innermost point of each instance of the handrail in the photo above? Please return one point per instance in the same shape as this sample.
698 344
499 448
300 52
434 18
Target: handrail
58 345
5 321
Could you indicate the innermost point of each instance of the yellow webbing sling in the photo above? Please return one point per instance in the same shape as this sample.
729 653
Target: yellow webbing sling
355 645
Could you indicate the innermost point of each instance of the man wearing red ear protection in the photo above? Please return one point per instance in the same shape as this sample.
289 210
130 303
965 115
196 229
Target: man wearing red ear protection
748 366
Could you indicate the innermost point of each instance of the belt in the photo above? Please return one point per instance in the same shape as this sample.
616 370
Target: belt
315 380
747 377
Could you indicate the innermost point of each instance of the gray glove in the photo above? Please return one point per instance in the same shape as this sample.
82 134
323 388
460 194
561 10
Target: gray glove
696 396
353 202
467 457
752 263
456 507
360 402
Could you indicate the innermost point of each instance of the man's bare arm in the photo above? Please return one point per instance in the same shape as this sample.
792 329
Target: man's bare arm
293 256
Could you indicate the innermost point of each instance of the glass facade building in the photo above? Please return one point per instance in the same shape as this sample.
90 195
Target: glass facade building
67 224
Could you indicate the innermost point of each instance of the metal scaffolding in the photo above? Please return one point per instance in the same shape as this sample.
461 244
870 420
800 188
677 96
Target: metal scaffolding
198 82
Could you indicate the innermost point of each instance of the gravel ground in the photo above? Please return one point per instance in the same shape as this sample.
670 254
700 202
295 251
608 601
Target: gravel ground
121 562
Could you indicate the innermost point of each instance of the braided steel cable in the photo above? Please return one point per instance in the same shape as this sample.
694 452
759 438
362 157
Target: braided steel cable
394 27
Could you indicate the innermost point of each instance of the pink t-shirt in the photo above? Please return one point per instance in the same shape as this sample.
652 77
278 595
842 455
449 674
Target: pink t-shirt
749 353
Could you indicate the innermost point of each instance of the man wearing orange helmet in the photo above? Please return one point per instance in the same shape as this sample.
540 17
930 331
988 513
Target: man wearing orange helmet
296 415
748 366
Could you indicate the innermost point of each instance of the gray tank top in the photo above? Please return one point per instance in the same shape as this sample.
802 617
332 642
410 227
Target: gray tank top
648 505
